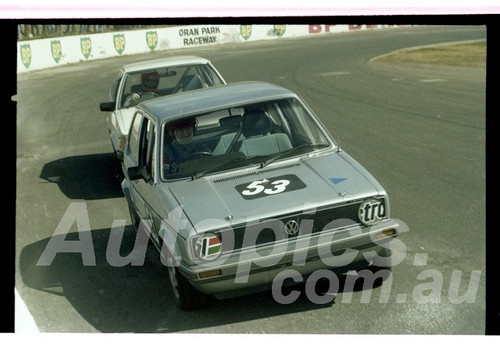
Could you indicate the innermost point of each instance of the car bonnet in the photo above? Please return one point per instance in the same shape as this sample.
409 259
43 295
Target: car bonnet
215 201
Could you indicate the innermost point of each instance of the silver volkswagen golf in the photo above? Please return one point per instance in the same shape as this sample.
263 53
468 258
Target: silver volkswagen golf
241 188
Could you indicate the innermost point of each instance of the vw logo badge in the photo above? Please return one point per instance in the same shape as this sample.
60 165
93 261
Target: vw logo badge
292 228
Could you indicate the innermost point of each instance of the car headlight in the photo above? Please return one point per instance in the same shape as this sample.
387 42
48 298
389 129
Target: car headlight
207 246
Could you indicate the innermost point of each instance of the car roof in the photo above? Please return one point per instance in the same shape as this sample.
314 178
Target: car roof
164 62
214 98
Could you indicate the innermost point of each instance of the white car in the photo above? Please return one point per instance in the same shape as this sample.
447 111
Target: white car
141 81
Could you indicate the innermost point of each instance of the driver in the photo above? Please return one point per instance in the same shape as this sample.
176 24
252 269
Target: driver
147 89
182 148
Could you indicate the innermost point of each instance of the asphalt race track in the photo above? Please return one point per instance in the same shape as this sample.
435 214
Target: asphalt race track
419 131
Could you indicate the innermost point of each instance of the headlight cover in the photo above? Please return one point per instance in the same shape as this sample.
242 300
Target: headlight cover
207 246
372 210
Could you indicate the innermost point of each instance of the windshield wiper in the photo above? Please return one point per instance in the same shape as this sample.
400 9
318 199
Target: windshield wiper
237 159
292 150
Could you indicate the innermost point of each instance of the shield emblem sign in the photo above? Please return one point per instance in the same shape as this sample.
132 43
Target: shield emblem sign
119 43
279 29
56 48
86 46
246 31
152 40
26 54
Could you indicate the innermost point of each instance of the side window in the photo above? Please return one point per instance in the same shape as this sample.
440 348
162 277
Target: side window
152 151
133 139
141 143
147 146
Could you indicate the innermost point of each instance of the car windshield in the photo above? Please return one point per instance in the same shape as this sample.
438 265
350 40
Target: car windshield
255 134
147 84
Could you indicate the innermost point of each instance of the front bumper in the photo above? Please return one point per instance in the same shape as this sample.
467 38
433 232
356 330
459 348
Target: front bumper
255 269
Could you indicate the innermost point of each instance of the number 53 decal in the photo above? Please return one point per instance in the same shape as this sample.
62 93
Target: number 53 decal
258 186
271 186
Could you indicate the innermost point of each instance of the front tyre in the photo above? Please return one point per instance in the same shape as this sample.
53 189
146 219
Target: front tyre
186 296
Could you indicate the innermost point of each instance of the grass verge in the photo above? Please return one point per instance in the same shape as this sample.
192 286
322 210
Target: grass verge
471 54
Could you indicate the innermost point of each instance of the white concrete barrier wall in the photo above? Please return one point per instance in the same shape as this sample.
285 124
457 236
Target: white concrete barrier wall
52 52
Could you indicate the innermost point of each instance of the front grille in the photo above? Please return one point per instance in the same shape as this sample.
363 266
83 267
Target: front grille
272 229
334 218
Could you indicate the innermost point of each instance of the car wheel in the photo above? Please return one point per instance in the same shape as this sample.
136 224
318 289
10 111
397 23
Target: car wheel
186 296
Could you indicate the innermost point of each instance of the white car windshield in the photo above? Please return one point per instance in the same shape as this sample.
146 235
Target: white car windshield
143 85
255 134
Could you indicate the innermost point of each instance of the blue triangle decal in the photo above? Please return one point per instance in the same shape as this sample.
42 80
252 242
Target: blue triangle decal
337 180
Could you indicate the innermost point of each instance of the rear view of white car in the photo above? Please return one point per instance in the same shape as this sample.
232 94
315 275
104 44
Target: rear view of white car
142 81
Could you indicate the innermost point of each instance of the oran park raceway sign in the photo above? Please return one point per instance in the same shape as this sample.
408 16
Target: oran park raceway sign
46 53
210 34
199 36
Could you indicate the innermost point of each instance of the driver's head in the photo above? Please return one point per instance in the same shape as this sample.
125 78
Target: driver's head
183 130
149 81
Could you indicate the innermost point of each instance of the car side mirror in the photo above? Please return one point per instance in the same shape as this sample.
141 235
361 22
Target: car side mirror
137 172
107 106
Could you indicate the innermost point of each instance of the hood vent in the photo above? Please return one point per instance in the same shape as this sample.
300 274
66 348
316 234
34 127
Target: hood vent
256 172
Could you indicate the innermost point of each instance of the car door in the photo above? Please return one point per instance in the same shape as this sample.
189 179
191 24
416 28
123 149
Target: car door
142 152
